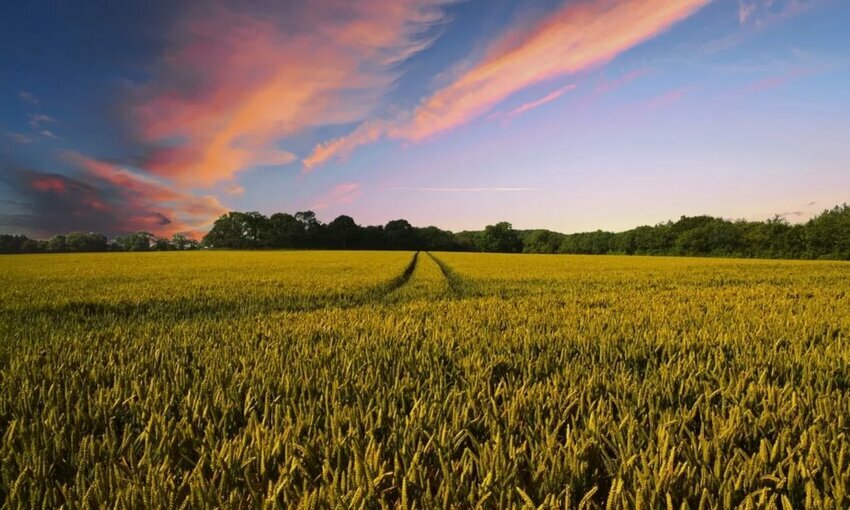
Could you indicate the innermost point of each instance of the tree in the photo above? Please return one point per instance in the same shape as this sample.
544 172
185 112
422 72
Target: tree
372 237
542 241
501 238
341 231
433 239
140 241
161 244
181 242
828 234
400 235
86 242
256 230
285 231
56 244
468 241
228 231
12 243
33 246
313 228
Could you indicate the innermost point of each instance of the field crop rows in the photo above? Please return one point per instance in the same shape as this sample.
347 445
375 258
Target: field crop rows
372 380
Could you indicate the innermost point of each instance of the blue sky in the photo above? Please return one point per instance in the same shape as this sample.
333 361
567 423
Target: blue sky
568 115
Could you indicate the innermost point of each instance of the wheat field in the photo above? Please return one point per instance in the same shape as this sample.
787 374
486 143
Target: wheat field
422 380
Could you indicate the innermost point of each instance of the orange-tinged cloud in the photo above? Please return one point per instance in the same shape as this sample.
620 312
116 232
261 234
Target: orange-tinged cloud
48 184
366 133
548 98
234 85
573 39
344 193
576 38
146 203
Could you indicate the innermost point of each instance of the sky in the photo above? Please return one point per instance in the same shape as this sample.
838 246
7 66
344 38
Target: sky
570 115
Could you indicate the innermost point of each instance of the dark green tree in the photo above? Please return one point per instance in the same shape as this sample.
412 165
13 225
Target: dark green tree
85 242
342 232
313 229
56 244
400 235
285 231
542 241
501 238
139 241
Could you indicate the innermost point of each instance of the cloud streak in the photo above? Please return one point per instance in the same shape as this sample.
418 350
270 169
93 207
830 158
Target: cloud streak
464 190
548 98
19 138
766 12
344 193
575 38
106 198
28 97
235 83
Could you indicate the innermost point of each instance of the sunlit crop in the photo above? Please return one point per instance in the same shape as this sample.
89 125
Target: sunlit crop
388 379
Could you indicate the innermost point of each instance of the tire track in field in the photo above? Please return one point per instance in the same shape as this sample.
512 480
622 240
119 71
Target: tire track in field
185 309
427 282
400 280
456 284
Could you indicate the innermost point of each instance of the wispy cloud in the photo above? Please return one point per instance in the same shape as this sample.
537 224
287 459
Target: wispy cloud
766 12
234 84
183 211
104 197
19 138
754 16
344 193
663 100
39 120
28 97
548 98
366 133
771 82
463 190
575 38
745 10
605 86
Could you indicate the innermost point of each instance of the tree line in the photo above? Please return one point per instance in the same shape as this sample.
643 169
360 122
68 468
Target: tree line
826 236
81 242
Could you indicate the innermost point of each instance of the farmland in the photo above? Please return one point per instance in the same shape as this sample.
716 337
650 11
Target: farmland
427 380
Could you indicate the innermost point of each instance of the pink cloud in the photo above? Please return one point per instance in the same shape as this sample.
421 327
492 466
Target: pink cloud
770 82
745 10
548 98
364 134
605 86
344 193
48 184
664 99
757 15
234 84
767 12
575 38
141 202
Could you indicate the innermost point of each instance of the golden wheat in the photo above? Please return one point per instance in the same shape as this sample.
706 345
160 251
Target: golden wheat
382 380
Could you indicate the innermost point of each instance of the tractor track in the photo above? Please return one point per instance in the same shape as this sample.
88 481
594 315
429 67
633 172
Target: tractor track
188 310
456 285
